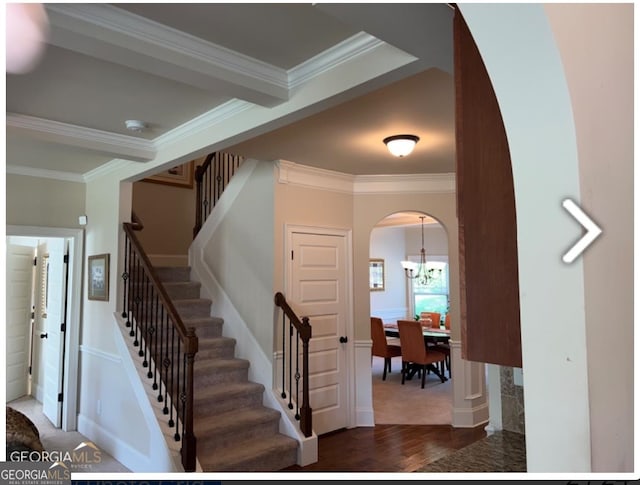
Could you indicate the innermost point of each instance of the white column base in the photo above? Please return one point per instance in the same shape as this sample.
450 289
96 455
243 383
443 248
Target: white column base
362 385
470 407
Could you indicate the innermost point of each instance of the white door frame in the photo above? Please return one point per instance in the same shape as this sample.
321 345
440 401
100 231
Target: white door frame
289 229
76 254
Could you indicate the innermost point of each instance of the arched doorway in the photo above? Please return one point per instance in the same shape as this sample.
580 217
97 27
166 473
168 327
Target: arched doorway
394 239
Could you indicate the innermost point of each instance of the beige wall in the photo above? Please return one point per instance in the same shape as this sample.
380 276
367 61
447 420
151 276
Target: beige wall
596 46
33 201
308 207
240 251
168 215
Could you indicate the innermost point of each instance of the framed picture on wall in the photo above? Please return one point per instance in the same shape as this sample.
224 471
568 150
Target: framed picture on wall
98 274
376 274
179 176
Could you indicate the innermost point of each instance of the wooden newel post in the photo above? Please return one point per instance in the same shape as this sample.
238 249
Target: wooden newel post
189 440
306 425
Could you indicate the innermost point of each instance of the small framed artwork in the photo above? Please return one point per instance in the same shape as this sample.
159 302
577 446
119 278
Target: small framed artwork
98 274
376 274
178 176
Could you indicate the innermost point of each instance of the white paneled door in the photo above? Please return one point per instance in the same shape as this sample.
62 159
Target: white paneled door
319 290
19 290
52 305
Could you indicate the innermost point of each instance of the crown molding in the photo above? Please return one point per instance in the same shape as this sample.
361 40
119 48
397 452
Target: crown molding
420 183
317 178
211 118
105 169
341 53
92 28
119 146
44 173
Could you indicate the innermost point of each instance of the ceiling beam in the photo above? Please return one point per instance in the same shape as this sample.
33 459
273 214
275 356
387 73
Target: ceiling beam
112 144
112 34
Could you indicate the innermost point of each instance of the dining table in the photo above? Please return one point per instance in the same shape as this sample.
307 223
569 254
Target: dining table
431 335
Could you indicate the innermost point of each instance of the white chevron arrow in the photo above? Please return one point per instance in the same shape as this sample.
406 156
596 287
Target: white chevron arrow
593 231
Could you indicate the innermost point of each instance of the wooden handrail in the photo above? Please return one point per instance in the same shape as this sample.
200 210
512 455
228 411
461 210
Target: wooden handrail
303 328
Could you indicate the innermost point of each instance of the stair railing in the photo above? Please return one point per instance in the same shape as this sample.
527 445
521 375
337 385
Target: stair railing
294 333
212 177
168 348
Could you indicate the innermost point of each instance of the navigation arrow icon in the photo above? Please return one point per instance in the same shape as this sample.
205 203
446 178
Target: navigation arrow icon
593 231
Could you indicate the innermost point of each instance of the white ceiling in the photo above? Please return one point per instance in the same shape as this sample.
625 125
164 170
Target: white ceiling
173 64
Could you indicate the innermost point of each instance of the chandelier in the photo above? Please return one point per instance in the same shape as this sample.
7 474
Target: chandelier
419 271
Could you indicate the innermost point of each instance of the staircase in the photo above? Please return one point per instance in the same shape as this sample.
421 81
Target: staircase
234 431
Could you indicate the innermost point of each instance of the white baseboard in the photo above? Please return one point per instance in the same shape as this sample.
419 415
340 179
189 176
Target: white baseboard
120 450
470 417
365 418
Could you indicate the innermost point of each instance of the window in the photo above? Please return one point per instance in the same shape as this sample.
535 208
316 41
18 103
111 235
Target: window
434 296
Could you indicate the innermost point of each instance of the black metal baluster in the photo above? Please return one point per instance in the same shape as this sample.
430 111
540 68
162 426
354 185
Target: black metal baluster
290 362
171 382
166 363
137 299
297 375
175 386
183 394
283 395
125 277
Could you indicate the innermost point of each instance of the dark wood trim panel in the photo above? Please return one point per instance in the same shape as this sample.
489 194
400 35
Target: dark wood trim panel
490 303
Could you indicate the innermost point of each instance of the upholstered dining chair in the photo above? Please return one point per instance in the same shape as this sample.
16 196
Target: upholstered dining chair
381 348
434 316
444 348
414 349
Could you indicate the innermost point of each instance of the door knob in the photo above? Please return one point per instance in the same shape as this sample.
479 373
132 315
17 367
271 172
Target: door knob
343 340
44 335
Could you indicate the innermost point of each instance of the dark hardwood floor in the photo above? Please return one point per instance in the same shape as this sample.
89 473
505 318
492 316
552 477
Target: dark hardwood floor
388 447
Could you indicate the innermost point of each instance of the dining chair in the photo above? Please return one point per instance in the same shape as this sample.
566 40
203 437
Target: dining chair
434 316
444 347
381 347
414 349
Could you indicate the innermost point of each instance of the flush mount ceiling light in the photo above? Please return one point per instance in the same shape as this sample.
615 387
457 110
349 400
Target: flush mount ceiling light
401 145
135 125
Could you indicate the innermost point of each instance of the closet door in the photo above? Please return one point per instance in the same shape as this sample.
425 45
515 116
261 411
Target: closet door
490 305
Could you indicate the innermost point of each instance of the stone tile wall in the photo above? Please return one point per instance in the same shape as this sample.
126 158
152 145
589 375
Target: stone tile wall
512 402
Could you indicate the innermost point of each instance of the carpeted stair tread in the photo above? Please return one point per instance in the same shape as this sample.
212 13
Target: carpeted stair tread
220 365
173 273
228 391
270 454
232 395
212 342
215 348
182 289
233 420
205 326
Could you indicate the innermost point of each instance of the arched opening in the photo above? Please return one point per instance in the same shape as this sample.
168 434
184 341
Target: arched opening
397 238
